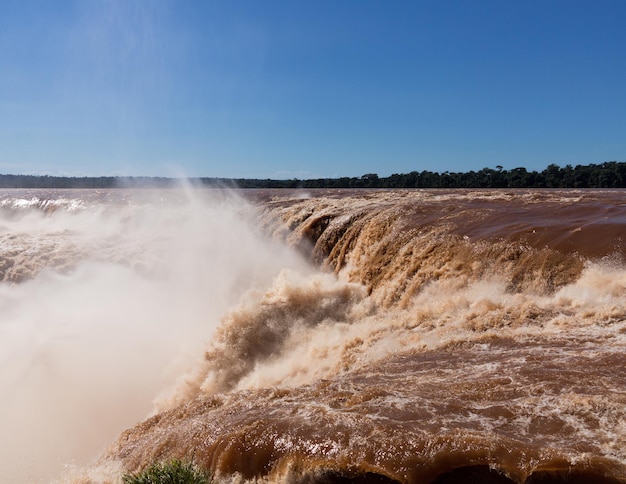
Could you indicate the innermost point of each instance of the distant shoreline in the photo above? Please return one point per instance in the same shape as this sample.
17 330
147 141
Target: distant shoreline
610 174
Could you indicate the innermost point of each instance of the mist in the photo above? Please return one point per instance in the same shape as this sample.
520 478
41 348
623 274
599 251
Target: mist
105 301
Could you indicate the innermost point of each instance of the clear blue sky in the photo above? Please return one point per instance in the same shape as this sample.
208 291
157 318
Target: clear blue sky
294 89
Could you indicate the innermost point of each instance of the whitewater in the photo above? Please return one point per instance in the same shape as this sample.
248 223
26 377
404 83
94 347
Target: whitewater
408 336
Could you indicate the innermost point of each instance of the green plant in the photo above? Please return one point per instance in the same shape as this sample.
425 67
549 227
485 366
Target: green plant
173 472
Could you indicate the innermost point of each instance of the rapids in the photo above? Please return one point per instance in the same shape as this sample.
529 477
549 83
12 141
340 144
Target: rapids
328 336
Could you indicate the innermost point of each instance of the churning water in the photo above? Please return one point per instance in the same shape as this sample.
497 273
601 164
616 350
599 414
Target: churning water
332 336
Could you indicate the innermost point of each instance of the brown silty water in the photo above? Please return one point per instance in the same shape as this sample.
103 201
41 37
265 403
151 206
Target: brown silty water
432 336
451 336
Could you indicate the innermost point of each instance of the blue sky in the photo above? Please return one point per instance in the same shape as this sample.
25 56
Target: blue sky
291 89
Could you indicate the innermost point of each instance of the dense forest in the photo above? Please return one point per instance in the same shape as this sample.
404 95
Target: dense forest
611 174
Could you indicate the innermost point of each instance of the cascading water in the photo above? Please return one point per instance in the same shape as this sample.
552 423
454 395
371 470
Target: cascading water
432 336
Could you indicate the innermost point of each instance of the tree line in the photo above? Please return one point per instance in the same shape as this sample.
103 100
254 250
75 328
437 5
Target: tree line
610 174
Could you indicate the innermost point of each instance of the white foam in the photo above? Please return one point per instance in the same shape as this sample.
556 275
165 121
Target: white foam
85 353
